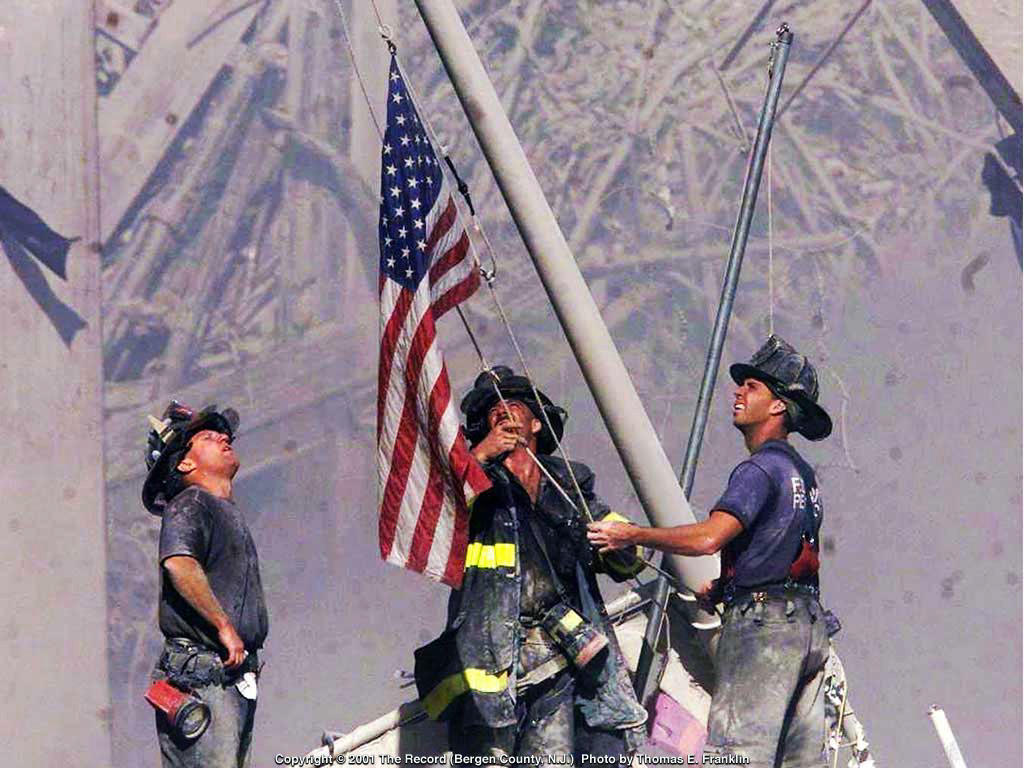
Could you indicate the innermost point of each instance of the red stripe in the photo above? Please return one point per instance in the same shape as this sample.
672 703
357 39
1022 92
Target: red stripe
405 441
433 498
456 564
452 257
387 351
466 469
442 225
456 294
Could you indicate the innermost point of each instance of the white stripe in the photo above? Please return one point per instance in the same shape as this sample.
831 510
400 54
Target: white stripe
453 277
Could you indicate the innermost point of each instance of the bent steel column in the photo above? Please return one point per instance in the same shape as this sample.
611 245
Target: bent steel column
624 416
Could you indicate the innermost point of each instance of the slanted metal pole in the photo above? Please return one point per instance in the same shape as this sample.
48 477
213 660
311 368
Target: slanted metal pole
631 431
741 231
949 745
777 68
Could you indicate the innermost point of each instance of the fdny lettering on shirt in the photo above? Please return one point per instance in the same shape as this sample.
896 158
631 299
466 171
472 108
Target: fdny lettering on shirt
799 494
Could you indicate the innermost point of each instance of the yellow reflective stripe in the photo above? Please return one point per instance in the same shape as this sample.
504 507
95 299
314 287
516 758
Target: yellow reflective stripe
490 555
453 686
570 621
614 517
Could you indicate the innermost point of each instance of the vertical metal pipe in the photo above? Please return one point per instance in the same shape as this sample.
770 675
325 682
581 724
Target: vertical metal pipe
777 67
630 428
659 603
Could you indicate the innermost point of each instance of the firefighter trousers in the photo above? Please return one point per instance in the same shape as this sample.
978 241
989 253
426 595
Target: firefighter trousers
549 726
769 701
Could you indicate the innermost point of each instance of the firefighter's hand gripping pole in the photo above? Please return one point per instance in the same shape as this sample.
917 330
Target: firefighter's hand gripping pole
631 431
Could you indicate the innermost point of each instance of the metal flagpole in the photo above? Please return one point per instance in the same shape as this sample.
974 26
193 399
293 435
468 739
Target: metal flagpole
776 70
631 430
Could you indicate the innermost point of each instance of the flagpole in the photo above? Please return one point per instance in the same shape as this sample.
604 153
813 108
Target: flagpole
644 459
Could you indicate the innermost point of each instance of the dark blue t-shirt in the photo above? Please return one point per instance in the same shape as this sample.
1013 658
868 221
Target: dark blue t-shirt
213 531
770 494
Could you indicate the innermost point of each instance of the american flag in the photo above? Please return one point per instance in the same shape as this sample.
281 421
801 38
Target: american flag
426 474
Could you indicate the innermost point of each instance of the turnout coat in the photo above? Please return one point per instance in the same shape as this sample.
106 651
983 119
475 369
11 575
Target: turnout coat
470 670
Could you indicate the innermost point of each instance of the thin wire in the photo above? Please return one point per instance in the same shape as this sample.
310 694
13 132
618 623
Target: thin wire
355 65
771 280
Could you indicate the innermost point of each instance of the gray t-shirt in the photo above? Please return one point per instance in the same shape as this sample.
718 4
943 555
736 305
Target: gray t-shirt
213 531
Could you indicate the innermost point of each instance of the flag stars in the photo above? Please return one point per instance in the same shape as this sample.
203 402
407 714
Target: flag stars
397 98
408 272
391 263
405 253
394 77
387 241
421 245
408 162
392 170
414 204
404 141
400 119
387 149
399 211
413 183
418 223
402 232
395 191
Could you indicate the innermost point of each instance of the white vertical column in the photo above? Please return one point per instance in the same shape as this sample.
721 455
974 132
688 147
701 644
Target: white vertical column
53 638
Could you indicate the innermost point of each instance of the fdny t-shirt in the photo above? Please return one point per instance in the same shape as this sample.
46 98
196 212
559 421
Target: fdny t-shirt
770 494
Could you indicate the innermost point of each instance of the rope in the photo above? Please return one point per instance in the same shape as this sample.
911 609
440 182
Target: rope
771 280
355 66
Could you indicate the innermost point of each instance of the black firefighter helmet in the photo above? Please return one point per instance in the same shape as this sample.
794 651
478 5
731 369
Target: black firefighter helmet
484 394
791 377
168 443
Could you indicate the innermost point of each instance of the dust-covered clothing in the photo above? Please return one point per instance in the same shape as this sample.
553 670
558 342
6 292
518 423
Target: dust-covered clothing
768 703
771 493
769 699
213 531
225 743
472 675
549 726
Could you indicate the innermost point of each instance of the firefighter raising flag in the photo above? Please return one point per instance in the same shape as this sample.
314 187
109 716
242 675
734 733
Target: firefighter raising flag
426 474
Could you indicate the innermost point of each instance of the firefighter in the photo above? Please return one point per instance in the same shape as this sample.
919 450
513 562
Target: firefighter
528 663
212 610
768 704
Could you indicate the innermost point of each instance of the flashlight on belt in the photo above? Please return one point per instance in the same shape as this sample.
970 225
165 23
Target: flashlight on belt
578 639
186 714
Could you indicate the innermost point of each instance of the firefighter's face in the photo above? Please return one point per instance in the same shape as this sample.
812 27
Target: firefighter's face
753 404
517 414
210 453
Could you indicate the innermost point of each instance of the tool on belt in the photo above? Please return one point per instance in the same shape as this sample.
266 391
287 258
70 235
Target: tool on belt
186 714
190 667
574 635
